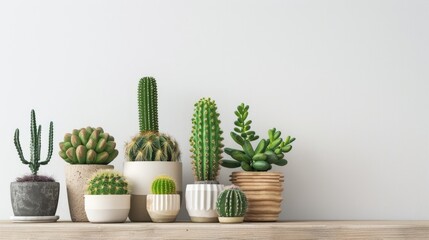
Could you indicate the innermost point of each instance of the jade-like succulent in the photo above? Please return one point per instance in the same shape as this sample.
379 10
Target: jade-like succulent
88 146
163 185
107 182
267 152
231 202
35 145
152 146
206 141
148 104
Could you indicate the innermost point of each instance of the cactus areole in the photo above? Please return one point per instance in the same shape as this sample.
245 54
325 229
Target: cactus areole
206 141
35 145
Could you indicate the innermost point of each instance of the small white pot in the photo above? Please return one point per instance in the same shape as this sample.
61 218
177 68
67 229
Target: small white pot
107 208
201 201
140 175
163 207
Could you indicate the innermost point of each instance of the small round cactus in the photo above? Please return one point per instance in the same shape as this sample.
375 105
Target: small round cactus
88 146
231 202
163 185
107 182
152 146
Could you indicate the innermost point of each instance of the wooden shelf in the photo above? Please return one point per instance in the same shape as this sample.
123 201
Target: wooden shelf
185 230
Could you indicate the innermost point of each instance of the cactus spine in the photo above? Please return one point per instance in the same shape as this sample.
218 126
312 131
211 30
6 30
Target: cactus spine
88 146
152 146
148 104
231 202
163 185
107 182
206 141
35 145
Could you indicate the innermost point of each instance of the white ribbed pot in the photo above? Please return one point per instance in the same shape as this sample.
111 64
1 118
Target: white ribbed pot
140 175
163 207
107 208
201 201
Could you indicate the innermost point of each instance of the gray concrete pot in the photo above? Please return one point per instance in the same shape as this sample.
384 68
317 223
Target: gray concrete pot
34 198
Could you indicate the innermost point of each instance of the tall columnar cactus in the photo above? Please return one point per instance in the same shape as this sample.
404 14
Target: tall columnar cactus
163 185
148 104
88 146
152 146
206 141
35 145
107 182
231 202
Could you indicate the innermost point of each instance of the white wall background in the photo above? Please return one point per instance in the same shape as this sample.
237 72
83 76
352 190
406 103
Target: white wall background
348 79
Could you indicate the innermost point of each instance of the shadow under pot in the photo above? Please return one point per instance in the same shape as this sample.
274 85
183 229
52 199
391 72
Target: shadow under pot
34 198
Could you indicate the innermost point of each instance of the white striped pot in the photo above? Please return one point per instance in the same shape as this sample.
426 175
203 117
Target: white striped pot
163 207
201 201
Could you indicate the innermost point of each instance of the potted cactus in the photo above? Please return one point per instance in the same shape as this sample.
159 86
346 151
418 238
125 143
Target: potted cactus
107 198
150 153
87 150
263 189
231 205
206 148
34 197
163 204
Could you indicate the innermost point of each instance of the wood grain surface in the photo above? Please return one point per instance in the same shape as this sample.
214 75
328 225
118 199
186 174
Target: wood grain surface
185 230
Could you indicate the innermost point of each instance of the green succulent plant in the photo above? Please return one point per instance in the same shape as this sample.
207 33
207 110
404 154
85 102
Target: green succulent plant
163 185
206 141
231 202
88 146
107 182
148 104
35 145
267 152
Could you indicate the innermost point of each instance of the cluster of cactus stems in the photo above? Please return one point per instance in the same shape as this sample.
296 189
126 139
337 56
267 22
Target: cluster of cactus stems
148 104
163 185
206 141
107 182
35 145
267 152
152 146
231 202
88 146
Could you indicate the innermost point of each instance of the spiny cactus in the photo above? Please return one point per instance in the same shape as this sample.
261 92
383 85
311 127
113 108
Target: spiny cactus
148 104
206 141
107 182
88 146
35 145
267 152
231 202
163 185
152 146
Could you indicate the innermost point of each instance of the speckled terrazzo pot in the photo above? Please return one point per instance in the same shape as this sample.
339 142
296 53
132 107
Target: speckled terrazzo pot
34 198
77 176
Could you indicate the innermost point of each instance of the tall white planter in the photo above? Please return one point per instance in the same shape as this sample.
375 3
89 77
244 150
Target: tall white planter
201 201
107 208
163 207
140 175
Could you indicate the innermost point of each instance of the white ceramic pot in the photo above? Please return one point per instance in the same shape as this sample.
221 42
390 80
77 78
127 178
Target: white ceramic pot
201 201
163 207
140 175
107 208
231 219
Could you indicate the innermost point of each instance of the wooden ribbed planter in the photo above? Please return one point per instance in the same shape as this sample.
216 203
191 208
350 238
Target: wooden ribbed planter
264 194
